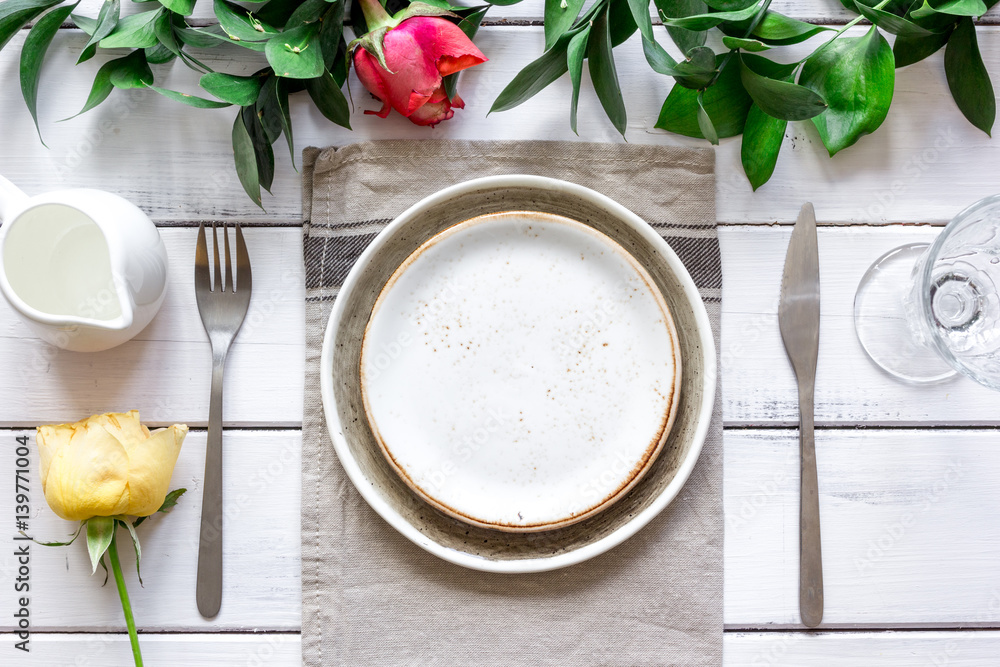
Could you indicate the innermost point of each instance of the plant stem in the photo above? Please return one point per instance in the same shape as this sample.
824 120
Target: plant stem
758 17
116 567
849 24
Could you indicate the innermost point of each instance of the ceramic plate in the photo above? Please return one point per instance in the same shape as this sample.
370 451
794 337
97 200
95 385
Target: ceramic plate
520 370
355 318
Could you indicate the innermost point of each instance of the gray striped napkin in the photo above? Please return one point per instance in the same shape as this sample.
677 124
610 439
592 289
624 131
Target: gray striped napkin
369 596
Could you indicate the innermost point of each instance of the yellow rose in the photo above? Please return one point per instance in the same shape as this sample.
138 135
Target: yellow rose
107 465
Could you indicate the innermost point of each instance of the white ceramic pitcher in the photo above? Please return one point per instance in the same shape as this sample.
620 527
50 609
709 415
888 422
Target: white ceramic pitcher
85 269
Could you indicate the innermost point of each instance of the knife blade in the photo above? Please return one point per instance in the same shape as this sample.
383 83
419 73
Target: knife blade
798 319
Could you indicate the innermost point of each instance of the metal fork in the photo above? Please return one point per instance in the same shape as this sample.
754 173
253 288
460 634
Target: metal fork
223 308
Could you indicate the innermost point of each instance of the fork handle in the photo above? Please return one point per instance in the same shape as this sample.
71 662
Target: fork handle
209 592
810 551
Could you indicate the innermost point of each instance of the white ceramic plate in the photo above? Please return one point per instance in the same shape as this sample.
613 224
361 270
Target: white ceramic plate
379 482
520 371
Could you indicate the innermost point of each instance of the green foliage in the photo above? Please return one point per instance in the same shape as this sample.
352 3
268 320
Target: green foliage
844 87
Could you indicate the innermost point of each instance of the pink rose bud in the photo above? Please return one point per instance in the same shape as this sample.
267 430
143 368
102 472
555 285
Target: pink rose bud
419 52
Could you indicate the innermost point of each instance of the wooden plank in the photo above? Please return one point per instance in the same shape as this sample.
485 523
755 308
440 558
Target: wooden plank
165 371
909 535
816 11
190 650
908 524
261 547
533 10
924 165
744 649
757 381
843 649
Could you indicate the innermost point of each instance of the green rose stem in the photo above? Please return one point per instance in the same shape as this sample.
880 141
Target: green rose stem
375 15
116 568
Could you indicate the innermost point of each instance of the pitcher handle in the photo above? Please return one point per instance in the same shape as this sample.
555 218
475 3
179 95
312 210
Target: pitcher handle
11 197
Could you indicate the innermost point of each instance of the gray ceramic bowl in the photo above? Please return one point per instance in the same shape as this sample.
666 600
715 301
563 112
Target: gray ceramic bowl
359 452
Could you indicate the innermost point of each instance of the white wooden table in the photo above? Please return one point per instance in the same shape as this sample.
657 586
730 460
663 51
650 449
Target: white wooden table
909 477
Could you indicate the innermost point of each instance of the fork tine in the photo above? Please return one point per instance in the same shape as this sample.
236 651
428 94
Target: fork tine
229 262
243 274
201 275
218 268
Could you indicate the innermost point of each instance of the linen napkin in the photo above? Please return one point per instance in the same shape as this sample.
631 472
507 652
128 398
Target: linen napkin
371 597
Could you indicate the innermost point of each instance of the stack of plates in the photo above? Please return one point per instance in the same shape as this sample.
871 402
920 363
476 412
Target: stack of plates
518 374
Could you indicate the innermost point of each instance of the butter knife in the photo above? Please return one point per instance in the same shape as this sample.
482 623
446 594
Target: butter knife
798 319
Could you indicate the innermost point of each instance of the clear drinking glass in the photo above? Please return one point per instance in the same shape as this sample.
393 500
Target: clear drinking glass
923 312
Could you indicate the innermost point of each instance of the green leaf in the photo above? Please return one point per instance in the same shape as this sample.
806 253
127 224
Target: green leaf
15 14
240 24
100 530
559 19
952 8
683 38
745 44
968 79
640 14
621 23
136 31
182 7
535 76
658 59
267 108
84 23
190 100
159 54
62 544
296 53
239 90
726 104
246 159
698 70
281 94
762 137
329 99
775 29
132 71
107 20
705 122
601 62
730 5
503 3
218 37
706 21
33 54
855 75
170 501
331 33
575 53
263 152
202 38
781 99
908 50
891 23
307 12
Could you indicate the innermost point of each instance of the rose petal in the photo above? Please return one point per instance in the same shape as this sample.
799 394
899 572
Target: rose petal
370 73
150 466
88 477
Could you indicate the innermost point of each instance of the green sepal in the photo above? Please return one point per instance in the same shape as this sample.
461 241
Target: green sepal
168 504
372 42
123 520
61 544
100 530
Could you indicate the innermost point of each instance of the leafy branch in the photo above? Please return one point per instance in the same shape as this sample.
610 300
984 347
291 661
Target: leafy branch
844 87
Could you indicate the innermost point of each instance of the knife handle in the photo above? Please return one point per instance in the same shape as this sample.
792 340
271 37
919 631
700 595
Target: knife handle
810 551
